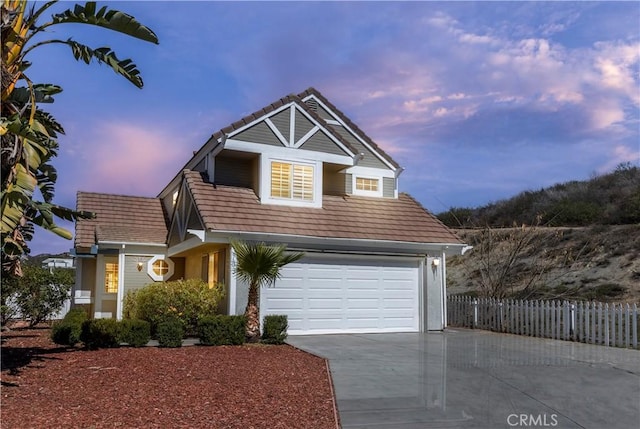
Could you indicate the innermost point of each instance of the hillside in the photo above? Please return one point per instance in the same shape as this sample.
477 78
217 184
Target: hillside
594 263
609 199
574 240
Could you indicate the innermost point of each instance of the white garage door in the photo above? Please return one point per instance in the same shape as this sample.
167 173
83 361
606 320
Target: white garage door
321 295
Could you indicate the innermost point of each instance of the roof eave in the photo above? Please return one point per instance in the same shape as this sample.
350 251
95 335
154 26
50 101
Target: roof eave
331 243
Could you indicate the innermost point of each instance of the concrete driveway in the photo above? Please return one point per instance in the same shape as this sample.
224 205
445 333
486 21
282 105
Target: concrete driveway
478 379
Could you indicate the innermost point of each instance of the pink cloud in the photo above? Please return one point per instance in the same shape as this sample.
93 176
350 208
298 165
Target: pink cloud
131 158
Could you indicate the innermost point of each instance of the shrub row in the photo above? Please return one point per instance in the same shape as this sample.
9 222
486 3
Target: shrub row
99 333
212 331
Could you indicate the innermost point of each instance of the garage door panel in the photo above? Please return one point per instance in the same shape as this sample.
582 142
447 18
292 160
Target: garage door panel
346 295
363 304
325 303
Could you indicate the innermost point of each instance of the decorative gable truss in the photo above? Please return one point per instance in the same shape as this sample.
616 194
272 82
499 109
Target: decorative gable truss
185 216
292 127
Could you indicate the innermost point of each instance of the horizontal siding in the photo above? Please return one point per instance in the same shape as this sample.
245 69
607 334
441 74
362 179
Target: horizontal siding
369 160
259 133
348 183
388 187
319 142
303 125
134 279
234 172
282 121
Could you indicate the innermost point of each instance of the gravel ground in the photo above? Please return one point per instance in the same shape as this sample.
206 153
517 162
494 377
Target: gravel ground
251 386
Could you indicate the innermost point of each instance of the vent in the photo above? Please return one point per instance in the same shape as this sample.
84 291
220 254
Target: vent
312 104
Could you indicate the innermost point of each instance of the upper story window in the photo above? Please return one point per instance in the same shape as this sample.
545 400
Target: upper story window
292 181
367 184
111 277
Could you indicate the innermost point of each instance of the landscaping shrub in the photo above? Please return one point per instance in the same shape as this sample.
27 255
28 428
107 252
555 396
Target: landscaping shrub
170 332
222 330
274 329
100 333
187 300
135 332
67 331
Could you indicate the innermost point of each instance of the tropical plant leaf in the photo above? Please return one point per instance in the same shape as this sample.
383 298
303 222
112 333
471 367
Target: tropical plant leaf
106 56
106 18
43 94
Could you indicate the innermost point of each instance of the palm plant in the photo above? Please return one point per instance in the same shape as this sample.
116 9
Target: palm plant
28 133
259 265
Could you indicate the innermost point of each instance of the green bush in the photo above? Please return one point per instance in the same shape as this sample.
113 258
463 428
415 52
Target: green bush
67 331
100 333
187 300
170 332
135 332
222 330
274 329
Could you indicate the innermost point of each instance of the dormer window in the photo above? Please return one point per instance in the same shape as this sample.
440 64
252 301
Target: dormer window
367 184
291 181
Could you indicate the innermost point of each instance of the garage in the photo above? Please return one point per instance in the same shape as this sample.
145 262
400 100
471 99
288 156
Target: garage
347 294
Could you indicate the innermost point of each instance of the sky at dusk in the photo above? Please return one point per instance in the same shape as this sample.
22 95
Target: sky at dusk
478 101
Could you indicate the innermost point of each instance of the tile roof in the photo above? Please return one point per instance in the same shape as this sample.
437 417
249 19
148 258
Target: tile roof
227 208
120 218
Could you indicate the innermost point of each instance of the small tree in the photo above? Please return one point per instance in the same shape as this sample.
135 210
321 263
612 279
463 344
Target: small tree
259 264
37 295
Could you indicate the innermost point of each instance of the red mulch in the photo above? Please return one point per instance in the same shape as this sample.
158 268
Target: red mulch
251 386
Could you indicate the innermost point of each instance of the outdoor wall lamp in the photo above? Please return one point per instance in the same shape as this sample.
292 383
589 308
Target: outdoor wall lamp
435 263
140 265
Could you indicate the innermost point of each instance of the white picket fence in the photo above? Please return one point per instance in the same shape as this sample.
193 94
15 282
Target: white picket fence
587 322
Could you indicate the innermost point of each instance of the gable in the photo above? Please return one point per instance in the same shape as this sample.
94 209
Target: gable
185 217
292 126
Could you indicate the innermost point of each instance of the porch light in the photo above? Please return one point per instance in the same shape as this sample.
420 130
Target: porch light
435 262
139 266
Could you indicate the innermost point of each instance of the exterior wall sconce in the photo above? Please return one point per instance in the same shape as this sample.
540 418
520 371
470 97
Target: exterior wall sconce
139 266
435 263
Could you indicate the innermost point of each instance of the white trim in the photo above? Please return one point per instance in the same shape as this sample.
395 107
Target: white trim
259 119
369 171
120 294
223 236
232 282
288 152
132 243
292 125
170 268
306 137
276 131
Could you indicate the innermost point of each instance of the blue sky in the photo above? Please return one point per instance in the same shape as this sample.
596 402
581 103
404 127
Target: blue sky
478 101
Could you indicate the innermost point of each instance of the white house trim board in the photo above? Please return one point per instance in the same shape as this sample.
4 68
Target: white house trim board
289 152
120 294
292 125
306 137
276 131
